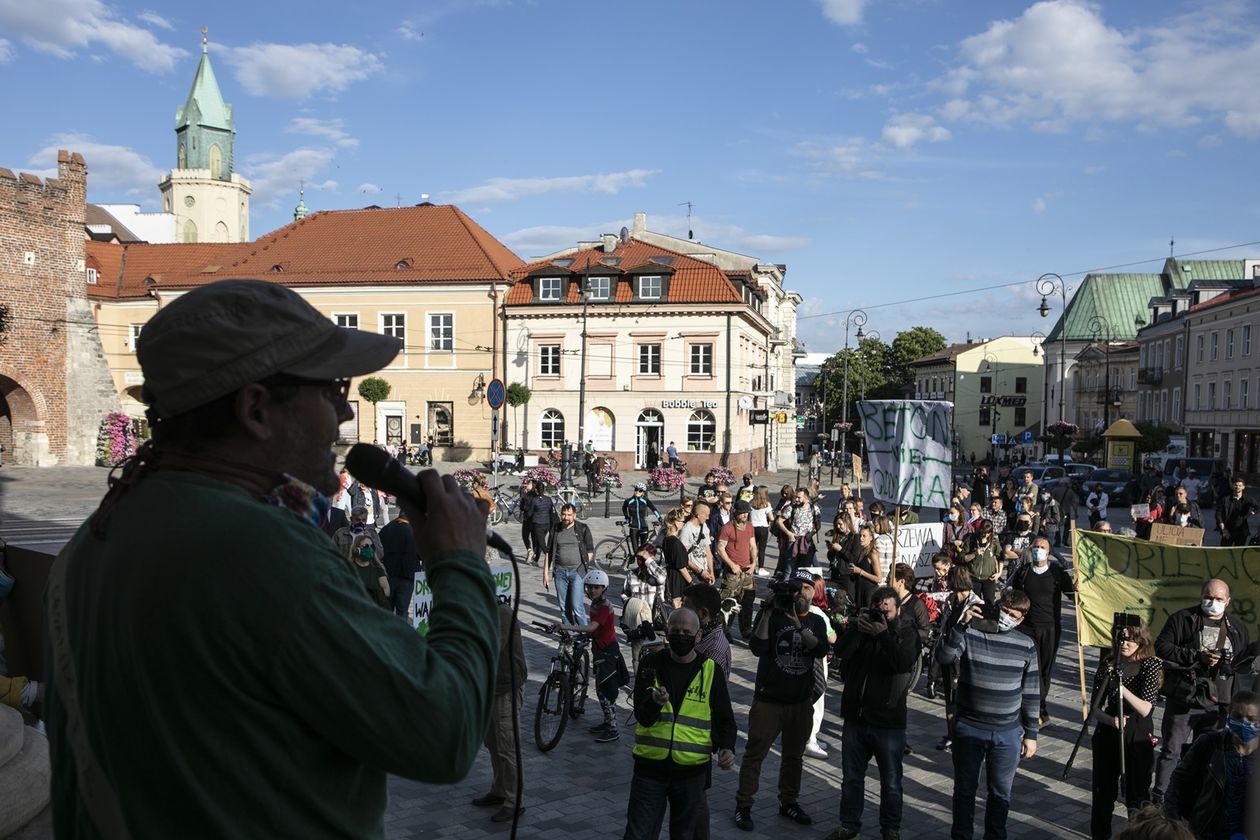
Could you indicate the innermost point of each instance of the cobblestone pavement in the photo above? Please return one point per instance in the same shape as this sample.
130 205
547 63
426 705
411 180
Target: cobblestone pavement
579 790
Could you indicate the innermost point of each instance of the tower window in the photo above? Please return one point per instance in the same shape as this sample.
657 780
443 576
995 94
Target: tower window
216 161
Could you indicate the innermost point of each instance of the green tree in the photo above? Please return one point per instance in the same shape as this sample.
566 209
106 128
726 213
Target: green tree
1154 438
374 389
518 394
867 373
911 344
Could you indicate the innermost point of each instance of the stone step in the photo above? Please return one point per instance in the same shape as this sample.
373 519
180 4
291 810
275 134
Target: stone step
25 783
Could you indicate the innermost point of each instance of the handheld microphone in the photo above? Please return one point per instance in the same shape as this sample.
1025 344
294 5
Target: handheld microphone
374 467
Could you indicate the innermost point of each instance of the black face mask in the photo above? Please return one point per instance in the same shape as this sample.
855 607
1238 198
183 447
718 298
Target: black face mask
681 644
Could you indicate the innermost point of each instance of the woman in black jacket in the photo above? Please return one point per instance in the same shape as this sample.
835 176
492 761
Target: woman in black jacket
1209 786
842 552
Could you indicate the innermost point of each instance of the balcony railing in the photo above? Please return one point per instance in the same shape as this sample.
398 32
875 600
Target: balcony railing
1150 376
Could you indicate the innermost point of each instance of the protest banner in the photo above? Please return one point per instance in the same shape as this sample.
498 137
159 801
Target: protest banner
422 595
918 543
908 450
1142 511
1119 574
1176 535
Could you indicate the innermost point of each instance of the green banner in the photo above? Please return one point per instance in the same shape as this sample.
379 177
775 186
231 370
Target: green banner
1154 580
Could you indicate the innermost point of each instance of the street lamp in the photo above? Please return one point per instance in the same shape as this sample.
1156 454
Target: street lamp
856 318
990 366
1049 284
586 296
1098 326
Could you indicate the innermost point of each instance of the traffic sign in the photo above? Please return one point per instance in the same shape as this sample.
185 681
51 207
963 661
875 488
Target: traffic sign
1028 437
998 439
495 394
758 416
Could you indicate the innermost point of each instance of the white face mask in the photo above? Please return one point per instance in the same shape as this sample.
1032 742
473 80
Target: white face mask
1213 608
1041 556
1005 623
1183 519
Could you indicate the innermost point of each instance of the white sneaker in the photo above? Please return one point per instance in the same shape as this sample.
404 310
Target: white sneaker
763 573
814 751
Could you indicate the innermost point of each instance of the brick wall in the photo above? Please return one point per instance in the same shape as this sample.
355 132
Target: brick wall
51 362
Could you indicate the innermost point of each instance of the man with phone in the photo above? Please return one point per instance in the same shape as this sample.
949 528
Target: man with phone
877 657
998 701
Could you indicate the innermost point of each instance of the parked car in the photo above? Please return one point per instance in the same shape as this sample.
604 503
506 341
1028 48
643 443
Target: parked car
1114 484
1073 474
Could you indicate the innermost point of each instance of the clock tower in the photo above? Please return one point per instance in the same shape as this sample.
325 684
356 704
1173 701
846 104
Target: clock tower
209 200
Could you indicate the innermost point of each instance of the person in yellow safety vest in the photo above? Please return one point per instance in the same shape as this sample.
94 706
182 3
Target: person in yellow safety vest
683 707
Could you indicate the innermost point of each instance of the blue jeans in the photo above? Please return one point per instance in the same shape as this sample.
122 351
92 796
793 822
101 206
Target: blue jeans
860 743
998 752
569 593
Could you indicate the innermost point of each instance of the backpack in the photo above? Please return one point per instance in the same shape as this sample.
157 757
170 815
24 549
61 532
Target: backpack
933 611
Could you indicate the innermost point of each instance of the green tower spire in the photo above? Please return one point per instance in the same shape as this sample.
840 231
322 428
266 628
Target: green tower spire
300 212
204 129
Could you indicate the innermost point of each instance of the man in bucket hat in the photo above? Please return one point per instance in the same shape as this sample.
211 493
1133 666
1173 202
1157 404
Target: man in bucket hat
218 668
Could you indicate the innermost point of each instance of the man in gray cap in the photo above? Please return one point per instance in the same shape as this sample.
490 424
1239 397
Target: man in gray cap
218 670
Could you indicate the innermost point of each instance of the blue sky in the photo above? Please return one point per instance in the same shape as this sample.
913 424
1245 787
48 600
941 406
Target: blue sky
886 150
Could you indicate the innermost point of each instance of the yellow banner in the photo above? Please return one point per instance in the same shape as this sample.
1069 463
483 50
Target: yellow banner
1153 580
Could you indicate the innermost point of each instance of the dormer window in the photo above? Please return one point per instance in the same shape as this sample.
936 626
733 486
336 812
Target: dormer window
278 268
403 265
598 288
549 288
649 287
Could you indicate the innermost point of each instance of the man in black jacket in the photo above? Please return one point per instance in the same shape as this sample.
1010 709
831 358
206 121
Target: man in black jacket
1198 641
1046 582
401 562
877 656
1232 514
1209 787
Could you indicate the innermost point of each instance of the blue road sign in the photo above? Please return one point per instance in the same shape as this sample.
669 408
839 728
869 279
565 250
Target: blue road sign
495 394
1028 437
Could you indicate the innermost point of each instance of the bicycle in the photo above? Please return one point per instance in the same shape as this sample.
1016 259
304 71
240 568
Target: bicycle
507 505
617 553
563 692
580 499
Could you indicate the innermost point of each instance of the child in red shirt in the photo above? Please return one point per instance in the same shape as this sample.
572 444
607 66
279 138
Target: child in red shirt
609 666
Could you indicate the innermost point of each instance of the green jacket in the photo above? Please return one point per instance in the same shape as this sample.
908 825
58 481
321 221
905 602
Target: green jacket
238 682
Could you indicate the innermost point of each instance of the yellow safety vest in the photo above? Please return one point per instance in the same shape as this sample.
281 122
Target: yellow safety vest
686 735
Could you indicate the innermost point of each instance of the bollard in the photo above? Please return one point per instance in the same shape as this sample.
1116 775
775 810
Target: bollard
607 499
798 477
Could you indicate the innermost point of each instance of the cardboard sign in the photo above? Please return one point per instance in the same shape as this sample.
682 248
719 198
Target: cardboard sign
422 595
1140 511
918 543
1154 580
1176 535
909 450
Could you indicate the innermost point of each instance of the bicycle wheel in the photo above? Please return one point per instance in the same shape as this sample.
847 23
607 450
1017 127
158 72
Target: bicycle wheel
550 717
582 502
496 515
608 554
610 462
579 681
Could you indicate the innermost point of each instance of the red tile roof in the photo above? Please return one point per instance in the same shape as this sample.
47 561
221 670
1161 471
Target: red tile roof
690 280
375 246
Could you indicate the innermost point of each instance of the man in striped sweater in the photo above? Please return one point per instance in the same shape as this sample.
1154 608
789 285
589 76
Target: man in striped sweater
999 701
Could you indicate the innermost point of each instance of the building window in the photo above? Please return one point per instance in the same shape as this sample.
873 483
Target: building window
701 360
348 432
1176 404
811 424
91 276
1229 344
650 287
986 384
551 435
1198 348
1167 362
650 359
1198 403
1021 384
549 288
1243 396
1177 355
394 324
549 360
1246 340
442 331
985 417
597 288
1211 396
1021 415
1229 394
133 336
346 320
1215 346
701 432
1132 379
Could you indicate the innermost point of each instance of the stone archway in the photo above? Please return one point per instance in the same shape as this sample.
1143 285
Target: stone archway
23 416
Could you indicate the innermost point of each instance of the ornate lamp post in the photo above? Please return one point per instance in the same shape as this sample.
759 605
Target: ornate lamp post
1098 326
990 366
856 318
1049 284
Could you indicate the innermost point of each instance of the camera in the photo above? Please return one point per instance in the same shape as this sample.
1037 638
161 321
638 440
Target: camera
783 595
645 632
990 612
875 614
646 675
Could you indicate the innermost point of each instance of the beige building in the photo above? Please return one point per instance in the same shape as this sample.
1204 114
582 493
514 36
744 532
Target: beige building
427 274
1104 385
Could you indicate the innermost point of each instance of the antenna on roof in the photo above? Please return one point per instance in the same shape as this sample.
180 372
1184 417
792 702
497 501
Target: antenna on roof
398 199
205 30
690 233
1172 243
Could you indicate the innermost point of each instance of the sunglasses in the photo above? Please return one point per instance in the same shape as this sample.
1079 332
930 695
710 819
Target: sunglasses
336 391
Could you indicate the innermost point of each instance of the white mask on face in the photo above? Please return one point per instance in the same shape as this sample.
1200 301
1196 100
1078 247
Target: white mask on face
1005 623
1040 555
1213 608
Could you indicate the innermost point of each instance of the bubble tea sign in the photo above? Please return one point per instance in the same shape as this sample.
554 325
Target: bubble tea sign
908 450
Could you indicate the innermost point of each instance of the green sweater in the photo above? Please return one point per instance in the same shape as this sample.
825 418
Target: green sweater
238 682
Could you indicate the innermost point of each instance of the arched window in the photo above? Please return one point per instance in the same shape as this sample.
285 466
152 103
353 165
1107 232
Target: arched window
216 160
190 231
221 232
552 433
183 157
701 432
600 427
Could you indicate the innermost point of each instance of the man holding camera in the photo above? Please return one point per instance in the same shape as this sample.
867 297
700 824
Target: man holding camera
683 709
1197 645
877 657
998 700
786 641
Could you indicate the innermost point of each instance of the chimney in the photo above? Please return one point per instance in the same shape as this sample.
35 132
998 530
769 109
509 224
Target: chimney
609 242
640 224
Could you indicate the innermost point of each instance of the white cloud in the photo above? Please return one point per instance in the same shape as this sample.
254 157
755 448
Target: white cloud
512 189
879 65
154 19
369 188
860 48
63 27
843 12
275 178
1060 63
299 71
408 32
331 130
852 157
113 170
1094 170
905 130
1039 204
1210 141
6 51
1176 153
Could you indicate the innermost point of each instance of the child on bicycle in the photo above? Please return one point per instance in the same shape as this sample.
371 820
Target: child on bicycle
609 666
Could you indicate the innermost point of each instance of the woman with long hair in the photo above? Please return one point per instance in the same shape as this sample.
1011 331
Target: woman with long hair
677 573
1141 673
760 518
955 522
842 552
983 560
882 529
868 571
781 507
369 569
